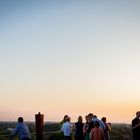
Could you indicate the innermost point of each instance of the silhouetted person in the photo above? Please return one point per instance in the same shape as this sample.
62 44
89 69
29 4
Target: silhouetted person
85 126
107 128
79 129
89 126
136 127
22 130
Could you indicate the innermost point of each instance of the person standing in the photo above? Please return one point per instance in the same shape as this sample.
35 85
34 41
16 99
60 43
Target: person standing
89 126
85 127
107 128
22 130
97 132
79 129
66 129
136 127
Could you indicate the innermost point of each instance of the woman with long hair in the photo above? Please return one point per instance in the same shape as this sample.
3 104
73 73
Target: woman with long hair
79 129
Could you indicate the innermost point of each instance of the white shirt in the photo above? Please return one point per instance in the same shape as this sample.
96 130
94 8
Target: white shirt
66 129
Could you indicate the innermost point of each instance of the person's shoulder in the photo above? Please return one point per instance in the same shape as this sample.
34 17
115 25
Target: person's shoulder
22 123
134 119
18 125
65 123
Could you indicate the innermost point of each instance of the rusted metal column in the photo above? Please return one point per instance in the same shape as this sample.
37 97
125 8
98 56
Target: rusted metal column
39 119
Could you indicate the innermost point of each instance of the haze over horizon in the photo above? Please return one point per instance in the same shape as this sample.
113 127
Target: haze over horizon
69 57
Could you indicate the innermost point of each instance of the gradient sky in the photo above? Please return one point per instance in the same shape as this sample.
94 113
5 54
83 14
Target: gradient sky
69 57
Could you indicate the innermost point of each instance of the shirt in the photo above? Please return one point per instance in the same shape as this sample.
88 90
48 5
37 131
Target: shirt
102 125
22 130
97 134
66 129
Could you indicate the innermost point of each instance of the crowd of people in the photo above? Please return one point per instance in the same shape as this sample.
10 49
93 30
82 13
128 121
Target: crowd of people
92 129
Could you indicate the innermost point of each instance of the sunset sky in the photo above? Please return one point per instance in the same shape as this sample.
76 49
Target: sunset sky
69 57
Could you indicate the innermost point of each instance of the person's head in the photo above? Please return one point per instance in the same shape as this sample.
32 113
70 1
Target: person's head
94 116
104 119
138 114
96 124
64 119
80 119
68 119
90 116
86 118
20 120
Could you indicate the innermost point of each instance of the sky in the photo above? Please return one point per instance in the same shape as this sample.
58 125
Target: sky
70 57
